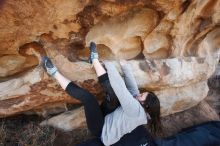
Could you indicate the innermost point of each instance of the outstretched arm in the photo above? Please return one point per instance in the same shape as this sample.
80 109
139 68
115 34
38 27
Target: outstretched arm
129 78
98 67
129 104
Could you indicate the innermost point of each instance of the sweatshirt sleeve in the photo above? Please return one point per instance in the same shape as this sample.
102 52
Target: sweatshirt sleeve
130 80
129 104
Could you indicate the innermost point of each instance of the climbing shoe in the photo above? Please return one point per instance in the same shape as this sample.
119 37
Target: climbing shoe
48 66
93 52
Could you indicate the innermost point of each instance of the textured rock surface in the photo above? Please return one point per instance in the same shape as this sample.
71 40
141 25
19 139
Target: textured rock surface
123 33
67 121
22 21
193 25
154 35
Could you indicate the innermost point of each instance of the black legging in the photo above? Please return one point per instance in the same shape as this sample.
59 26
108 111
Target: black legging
94 114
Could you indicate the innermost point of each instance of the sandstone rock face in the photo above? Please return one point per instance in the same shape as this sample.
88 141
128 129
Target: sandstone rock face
179 99
175 72
171 45
210 44
22 21
157 49
123 33
158 76
68 121
193 25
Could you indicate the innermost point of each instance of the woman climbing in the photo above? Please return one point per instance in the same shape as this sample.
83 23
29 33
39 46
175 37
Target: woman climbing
120 118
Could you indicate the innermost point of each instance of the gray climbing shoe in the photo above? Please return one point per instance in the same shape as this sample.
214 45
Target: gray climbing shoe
93 52
48 66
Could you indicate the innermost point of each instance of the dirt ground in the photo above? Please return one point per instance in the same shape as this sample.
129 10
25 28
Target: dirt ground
24 130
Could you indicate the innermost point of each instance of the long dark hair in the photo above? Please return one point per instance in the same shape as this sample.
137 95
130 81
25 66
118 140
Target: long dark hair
152 107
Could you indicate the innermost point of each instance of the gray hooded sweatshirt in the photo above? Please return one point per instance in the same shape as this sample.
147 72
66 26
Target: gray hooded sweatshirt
130 114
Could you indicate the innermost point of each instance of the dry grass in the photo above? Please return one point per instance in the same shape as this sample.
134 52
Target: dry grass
34 135
26 131
22 131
